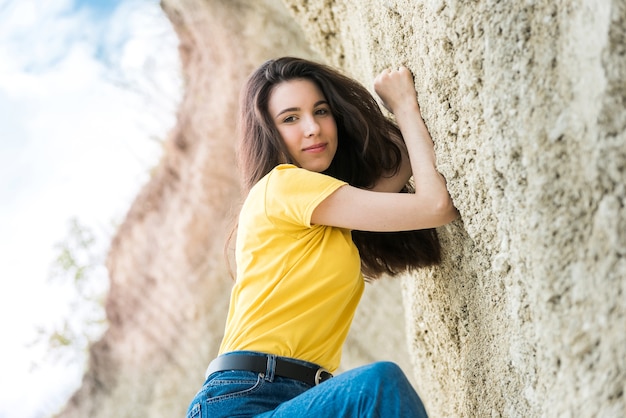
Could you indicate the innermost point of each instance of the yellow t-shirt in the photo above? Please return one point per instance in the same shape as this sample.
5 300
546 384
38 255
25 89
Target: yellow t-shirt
297 285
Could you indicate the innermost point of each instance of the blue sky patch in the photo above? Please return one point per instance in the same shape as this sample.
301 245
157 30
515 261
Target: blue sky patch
102 7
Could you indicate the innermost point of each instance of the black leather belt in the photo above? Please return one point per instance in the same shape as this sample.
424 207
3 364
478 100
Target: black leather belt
312 376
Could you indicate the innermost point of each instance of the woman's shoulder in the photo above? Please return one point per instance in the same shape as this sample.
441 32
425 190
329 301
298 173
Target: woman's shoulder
277 173
291 176
290 193
280 168
291 170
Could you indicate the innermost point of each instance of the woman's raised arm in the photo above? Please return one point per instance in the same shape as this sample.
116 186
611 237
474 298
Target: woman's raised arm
430 206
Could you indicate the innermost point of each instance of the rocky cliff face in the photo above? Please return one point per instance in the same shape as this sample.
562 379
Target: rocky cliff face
526 103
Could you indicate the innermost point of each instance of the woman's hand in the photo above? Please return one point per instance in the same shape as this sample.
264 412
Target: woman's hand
396 89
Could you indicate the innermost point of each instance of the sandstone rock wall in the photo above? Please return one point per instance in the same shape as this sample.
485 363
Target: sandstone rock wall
526 102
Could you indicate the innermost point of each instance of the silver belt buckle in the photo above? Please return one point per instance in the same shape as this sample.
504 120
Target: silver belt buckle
318 375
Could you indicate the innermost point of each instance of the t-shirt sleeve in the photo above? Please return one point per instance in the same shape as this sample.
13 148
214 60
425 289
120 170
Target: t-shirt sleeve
293 193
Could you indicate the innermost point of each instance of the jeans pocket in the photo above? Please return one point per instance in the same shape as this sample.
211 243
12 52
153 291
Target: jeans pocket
232 385
225 395
194 410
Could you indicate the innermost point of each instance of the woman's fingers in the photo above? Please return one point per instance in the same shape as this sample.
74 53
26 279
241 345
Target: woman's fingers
395 87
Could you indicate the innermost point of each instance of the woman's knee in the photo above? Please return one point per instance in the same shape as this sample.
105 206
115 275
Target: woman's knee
383 386
381 373
387 370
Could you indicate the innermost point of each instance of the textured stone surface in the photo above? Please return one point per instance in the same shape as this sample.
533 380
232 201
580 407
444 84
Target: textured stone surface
526 103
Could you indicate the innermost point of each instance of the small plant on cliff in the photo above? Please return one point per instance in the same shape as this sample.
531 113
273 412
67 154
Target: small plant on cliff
79 275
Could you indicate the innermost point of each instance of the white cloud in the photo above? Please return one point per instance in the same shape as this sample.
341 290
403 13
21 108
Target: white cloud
81 96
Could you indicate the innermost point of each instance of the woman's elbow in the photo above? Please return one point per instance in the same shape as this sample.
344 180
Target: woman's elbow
445 210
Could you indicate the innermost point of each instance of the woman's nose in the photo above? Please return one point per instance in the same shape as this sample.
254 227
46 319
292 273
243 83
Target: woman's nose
312 127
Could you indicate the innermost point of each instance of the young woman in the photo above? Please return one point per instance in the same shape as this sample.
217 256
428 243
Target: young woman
328 204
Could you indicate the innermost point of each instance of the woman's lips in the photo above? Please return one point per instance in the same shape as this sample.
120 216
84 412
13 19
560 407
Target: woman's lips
315 148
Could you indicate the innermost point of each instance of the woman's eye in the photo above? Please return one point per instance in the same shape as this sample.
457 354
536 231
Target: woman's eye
289 119
322 111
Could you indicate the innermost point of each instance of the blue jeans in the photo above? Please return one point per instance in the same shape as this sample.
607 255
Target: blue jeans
376 390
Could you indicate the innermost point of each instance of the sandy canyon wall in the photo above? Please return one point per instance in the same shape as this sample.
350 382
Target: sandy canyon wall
526 103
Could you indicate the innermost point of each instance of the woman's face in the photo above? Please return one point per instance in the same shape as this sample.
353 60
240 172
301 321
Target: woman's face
305 123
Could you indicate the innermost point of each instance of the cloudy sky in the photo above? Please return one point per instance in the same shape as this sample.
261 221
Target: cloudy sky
88 89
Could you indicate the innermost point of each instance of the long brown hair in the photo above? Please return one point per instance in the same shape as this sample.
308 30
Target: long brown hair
369 146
